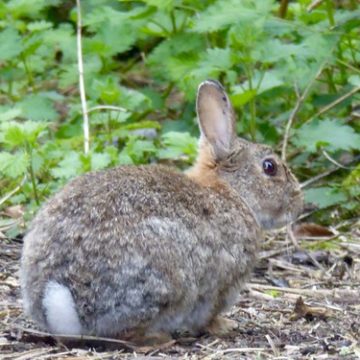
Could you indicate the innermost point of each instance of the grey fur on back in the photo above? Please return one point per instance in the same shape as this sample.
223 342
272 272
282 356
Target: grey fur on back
149 249
113 242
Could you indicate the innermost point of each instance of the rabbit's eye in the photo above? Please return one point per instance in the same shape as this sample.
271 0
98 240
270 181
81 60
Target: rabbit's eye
269 167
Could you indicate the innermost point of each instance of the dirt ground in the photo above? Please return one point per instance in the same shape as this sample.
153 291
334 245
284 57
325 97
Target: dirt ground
299 304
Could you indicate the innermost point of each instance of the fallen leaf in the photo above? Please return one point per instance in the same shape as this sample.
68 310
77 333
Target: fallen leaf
15 211
311 230
302 310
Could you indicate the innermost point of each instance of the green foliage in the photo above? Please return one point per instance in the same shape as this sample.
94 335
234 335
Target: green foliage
325 196
329 134
149 57
179 146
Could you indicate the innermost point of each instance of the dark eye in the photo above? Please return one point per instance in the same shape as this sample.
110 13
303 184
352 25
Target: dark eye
269 167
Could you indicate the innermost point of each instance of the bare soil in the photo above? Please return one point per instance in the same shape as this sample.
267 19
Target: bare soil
300 304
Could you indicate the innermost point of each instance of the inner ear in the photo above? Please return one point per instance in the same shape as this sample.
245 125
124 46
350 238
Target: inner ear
216 117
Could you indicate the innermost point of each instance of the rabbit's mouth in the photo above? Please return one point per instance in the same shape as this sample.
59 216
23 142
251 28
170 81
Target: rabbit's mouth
282 218
273 223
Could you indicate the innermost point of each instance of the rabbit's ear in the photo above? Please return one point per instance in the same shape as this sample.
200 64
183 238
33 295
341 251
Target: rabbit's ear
216 117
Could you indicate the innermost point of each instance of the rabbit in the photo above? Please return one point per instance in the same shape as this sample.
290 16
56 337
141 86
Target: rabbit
141 250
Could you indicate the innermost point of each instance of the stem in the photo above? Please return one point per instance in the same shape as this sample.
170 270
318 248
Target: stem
10 88
163 28
106 107
353 4
299 102
168 90
341 66
32 175
173 21
330 12
253 119
330 81
109 126
27 70
352 50
252 105
348 66
334 103
81 81
326 173
314 5
283 8
332 160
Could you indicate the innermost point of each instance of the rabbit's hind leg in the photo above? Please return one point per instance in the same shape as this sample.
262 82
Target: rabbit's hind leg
151 339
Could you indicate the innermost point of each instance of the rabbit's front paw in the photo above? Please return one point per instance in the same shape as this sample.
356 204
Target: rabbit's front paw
221 326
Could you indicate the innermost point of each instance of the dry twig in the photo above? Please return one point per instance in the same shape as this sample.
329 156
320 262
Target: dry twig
314 5
300 99
335 294
335 102
106 107
325 153
77 338
12 192
81 80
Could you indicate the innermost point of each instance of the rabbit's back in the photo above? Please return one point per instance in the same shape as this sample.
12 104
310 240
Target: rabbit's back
134 243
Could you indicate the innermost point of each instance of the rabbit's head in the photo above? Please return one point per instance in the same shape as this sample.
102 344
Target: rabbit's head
252 170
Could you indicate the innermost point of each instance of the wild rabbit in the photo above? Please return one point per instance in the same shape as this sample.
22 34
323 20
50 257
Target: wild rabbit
146 249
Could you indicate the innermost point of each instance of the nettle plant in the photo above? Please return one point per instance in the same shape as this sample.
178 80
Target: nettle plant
293 80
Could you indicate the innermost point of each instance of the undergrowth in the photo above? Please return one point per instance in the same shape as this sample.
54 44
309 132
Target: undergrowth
148 57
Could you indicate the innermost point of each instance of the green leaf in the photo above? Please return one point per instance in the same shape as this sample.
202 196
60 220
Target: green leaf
69 167
14 135
181 52
324 196
115 33
62 38
139 150
38 161
225 13
124 158
243 98
108 90
17 134
146 124
181 43
38 108
39 26
354 80
273 50
161 4
332 134
134 100
100 161
111 39
217 59
13 165
242 94
10 114
29 8
178 145
10 44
